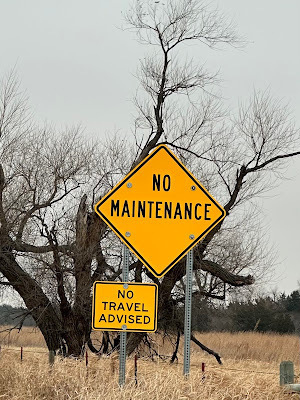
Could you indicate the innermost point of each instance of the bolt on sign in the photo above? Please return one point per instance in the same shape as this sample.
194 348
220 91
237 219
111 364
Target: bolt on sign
122 306
160 210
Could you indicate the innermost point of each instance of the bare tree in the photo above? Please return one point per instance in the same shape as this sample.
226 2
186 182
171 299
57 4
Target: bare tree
236 157
41 177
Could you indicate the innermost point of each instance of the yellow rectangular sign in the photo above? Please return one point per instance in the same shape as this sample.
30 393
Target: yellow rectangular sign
124 306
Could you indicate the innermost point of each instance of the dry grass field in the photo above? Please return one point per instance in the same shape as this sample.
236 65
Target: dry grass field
250 370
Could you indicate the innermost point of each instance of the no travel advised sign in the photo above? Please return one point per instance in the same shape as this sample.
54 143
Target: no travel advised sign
128 307
160 210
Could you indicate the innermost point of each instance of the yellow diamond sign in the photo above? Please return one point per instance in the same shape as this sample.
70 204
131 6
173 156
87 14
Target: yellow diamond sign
160 210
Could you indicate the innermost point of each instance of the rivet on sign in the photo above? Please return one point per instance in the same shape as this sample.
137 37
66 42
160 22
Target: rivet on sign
129 184
125 286
127 234
193 187
192 237
124 327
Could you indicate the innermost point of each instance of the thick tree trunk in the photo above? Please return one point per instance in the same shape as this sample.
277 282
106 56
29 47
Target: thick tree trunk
68 327
72 330
74 335
35 299
88 233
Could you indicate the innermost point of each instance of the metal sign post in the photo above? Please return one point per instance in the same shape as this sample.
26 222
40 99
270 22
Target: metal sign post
188 312
123 335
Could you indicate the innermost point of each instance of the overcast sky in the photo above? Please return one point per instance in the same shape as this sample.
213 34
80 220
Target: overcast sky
77 66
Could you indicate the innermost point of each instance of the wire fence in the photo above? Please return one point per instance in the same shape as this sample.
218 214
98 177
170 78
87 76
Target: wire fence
203 366
4 349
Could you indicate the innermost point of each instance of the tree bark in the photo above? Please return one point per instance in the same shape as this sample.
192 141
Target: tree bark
35 299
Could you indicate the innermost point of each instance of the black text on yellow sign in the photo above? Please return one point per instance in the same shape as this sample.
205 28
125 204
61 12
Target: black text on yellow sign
124 306
160 211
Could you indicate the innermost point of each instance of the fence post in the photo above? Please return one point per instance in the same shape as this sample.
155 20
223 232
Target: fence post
203 372
86 359
21 353
51 357
135 369
112 365
286 373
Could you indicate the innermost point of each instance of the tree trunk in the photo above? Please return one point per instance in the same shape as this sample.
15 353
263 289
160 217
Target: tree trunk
35 299
73 330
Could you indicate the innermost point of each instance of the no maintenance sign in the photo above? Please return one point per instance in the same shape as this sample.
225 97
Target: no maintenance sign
160 210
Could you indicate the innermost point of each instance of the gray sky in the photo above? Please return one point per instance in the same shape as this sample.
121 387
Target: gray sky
78 67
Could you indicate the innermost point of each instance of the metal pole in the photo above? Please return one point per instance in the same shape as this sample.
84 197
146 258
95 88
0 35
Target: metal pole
51 358
123 335
188 312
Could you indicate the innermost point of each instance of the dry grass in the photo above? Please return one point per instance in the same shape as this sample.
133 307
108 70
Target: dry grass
250 371
27 337
254 346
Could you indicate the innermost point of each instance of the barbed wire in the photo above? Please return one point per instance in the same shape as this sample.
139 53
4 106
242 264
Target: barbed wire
245 370
223 369
3 349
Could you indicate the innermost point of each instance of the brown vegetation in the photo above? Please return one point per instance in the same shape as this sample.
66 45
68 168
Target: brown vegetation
250 371
26 337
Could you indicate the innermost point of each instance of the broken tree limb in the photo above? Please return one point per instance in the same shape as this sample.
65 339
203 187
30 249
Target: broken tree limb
226 276
174 355
204 348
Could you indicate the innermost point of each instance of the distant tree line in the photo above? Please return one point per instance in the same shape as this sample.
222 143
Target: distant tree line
279 314
15 316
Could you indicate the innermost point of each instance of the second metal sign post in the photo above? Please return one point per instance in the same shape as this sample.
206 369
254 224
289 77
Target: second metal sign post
123 335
